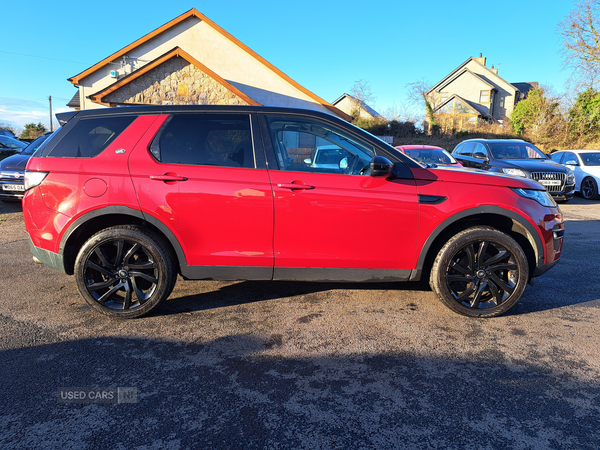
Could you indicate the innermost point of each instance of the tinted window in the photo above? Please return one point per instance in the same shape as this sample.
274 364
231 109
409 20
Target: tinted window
206 140
516 150
570 157
590 159
467 150
557 156
31 148
13 144
89 137
309 145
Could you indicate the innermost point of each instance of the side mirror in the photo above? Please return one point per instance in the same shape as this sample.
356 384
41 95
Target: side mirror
571 162
480 155
381 167
343 164
308 161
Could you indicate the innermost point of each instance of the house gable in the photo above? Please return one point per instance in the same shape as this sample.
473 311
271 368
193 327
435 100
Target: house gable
212 47
350 104
484 88
175 77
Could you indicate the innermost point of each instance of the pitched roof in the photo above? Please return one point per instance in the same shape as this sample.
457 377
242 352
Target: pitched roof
457 72
174 53
524 88
363 104
195 13
74 102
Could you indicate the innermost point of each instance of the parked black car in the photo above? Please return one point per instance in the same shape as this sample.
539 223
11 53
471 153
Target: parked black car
12 170
9 146
518 158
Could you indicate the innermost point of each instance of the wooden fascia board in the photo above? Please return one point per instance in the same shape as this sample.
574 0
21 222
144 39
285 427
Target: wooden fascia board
176 52
195 13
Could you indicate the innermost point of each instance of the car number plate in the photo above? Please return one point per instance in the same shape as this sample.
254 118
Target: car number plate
13 187
550 182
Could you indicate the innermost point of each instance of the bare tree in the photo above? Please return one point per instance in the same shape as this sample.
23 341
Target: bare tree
581 49
361 91
418 95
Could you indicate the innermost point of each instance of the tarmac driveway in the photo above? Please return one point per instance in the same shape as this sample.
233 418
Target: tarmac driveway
237 365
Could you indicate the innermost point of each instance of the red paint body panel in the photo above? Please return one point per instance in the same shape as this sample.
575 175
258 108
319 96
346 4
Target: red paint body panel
221 216
63 190
336 224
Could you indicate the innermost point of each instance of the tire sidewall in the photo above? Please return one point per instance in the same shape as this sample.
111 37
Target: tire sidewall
151 245
476 234
594 193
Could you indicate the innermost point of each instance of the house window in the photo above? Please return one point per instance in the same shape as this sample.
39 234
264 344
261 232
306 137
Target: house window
484 96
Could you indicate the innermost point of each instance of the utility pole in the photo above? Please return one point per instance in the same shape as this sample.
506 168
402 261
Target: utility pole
50 99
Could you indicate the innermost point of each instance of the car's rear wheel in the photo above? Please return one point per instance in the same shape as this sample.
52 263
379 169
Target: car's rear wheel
480 272
125 271
589 188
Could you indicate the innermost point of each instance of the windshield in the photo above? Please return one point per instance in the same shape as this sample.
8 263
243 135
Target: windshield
590 159
8 142
431 156
515 150
31 148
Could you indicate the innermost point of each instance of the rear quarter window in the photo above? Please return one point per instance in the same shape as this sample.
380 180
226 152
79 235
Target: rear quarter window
89 137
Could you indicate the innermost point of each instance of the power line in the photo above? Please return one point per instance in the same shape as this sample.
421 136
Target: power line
42 57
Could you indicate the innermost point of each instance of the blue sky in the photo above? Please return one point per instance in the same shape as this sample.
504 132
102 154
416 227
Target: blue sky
324 45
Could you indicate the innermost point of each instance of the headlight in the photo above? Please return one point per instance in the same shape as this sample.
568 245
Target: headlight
32 178
515 172
542 197
570 174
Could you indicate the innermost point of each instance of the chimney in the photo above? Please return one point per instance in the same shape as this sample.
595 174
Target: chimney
481 59
494 70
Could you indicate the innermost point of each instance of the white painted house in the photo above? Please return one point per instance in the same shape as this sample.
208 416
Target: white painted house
190 60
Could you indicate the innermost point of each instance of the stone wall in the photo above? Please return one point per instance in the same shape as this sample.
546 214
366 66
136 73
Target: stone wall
175 82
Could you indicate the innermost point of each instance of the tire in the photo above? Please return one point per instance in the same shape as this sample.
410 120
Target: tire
589 188
480 272
125 271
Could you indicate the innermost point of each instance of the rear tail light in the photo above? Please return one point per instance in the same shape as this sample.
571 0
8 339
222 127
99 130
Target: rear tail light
32 178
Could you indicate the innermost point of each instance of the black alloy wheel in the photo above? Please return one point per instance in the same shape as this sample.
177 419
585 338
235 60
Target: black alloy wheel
589 188
480 272
124 271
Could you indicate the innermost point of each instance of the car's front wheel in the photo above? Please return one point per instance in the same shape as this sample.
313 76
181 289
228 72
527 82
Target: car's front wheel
480 272
125 271
589 188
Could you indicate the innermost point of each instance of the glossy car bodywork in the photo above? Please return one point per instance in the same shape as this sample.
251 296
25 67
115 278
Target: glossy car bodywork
586 166
266 222
10 146
12 171
519 158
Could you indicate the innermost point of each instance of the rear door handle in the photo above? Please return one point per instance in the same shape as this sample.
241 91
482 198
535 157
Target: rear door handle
168 177
294 185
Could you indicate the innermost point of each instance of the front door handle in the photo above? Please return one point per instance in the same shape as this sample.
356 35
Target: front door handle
169 176
294 185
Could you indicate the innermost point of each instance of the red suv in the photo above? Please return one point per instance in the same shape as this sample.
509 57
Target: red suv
128 198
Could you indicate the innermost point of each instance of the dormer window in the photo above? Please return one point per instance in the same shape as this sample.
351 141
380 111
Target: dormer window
484 96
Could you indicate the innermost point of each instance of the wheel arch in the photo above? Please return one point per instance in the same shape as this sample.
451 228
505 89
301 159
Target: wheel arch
90 223
504 220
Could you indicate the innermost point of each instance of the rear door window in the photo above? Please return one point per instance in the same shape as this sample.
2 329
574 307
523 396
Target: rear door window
90 136
206 140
